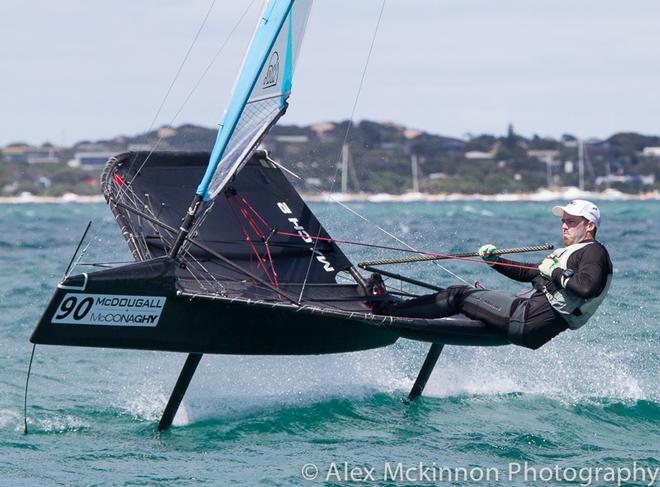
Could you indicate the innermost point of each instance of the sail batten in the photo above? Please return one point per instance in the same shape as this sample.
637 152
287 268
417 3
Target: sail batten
261 91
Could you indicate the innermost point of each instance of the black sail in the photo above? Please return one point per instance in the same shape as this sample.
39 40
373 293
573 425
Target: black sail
260 222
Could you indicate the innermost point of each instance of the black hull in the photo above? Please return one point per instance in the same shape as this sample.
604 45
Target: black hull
206 324
196 325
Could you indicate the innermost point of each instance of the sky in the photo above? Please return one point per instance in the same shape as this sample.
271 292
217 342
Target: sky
77 70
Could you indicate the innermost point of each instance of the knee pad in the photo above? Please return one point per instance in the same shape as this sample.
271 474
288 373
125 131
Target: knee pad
495 303
452 298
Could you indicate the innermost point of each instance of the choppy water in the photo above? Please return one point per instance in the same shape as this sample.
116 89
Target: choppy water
588 399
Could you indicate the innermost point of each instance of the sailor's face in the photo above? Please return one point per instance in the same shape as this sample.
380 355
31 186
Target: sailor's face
574 229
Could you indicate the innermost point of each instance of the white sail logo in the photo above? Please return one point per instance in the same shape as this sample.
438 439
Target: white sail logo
273 71
284 208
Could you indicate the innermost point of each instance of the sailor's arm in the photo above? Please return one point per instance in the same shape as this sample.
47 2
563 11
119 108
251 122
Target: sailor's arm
510 270
516 273
589 271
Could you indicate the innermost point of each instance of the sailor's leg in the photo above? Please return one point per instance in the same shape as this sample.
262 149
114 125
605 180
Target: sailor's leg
437 305
425 371
179 391
499 310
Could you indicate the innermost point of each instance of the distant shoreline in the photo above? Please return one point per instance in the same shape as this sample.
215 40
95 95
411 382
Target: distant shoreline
541 195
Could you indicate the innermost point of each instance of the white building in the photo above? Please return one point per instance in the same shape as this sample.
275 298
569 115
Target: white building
651 152
292 139
31 155
90 160
548 156
479 155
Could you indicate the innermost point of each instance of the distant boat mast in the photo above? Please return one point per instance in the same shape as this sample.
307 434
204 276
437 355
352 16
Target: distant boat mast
415 173
345 156
581 164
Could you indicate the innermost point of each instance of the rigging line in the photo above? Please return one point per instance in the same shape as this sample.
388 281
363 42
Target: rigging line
27 383
259 236
260 233
201 285
178 71
135 200
84 250
72 262
107 264
150 206
125 223
330 197
197 83
396 238
197 262
348 129
256 213
213 253
194 231
387 247
183 62
362 244
249 241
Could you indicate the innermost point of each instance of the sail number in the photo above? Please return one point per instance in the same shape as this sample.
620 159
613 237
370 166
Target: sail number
109 310
71 305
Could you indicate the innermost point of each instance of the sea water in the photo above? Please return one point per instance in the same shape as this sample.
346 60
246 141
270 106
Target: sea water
586 402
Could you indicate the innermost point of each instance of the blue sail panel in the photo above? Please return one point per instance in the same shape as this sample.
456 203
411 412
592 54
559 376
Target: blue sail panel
260 92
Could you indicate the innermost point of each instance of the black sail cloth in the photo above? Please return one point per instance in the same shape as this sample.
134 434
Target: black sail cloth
261 223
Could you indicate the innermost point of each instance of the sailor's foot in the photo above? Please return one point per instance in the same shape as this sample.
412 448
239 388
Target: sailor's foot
375 287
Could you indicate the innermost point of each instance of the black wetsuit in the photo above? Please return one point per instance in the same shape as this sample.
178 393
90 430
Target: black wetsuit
538 320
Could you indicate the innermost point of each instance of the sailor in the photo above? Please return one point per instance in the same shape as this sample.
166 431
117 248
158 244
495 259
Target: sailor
569 285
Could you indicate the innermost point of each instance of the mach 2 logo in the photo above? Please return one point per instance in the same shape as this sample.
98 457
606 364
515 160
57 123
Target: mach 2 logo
109 310
273 71
284 208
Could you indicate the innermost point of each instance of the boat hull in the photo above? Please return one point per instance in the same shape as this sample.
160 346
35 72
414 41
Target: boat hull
142 309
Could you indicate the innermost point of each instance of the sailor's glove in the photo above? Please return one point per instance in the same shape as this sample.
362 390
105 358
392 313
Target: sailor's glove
548 265
486 253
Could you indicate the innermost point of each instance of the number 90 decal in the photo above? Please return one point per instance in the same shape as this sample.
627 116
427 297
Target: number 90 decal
72 305
109 310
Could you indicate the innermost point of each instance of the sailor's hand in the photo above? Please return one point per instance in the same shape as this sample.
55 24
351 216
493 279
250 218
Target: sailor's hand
486 253
548 265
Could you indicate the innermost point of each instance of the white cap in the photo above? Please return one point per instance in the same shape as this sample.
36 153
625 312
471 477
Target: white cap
582 208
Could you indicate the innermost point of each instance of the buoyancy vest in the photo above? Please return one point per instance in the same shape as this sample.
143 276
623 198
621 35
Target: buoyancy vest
575 310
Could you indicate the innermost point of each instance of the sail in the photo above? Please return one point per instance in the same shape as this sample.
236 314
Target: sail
264 226
261 90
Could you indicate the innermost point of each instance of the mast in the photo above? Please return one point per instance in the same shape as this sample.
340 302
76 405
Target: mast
258 100
186 225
